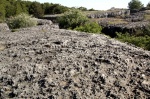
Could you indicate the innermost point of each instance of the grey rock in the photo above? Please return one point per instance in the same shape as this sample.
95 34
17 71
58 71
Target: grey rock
58 63
110 13
4 27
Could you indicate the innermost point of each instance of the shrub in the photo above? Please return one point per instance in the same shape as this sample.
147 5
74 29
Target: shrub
146 31
21 21
91 27
141 41
2 12
72 19
1 21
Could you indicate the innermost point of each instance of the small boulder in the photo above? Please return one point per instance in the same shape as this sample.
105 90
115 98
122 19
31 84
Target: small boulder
4 27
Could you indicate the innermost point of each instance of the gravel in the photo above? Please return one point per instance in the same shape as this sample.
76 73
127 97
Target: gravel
49 63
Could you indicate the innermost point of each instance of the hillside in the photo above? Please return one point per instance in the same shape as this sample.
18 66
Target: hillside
43 62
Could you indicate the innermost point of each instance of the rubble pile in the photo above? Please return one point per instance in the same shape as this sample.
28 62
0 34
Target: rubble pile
50 63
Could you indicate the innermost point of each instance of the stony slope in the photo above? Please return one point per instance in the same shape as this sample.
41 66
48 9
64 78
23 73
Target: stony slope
41 63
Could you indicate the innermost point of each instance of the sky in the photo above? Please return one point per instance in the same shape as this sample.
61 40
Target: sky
96 4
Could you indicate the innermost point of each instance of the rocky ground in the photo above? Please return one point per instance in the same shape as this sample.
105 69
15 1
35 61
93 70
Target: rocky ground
43 62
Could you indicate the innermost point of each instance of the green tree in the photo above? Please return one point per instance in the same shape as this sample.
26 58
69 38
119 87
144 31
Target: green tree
72 19
12 7
36 9
59 9
24 7
18 8
82 8
92 9
45 7
135 4
27 5
56 9
10 10
148 6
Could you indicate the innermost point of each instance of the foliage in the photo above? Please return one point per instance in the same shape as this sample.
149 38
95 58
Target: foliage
140 38
59 9
72 19
135 4
36 9
56 9
82 8
20 7
92 9
14 7
45 7
11 8
148 6
2 12
1 21
27 5
146 31
140 41
21 21
91 27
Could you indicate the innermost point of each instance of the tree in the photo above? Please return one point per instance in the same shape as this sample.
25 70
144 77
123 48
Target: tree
92 9
10 10
72 19
59 9
56 9
36 9
27 5
82 8
18 8
148 6
135 4
45 7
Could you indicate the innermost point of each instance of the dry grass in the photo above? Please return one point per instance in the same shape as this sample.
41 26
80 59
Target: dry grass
110 20
118 21
93 12
99 11
147 17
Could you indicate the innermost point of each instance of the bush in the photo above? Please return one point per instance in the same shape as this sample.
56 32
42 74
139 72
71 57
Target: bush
141 41
21 21
72 19
2 12
146 31
91 27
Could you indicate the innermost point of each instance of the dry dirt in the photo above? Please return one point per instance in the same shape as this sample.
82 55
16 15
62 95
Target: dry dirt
45 63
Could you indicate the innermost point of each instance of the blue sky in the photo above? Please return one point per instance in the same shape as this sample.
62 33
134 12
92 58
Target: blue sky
96 4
